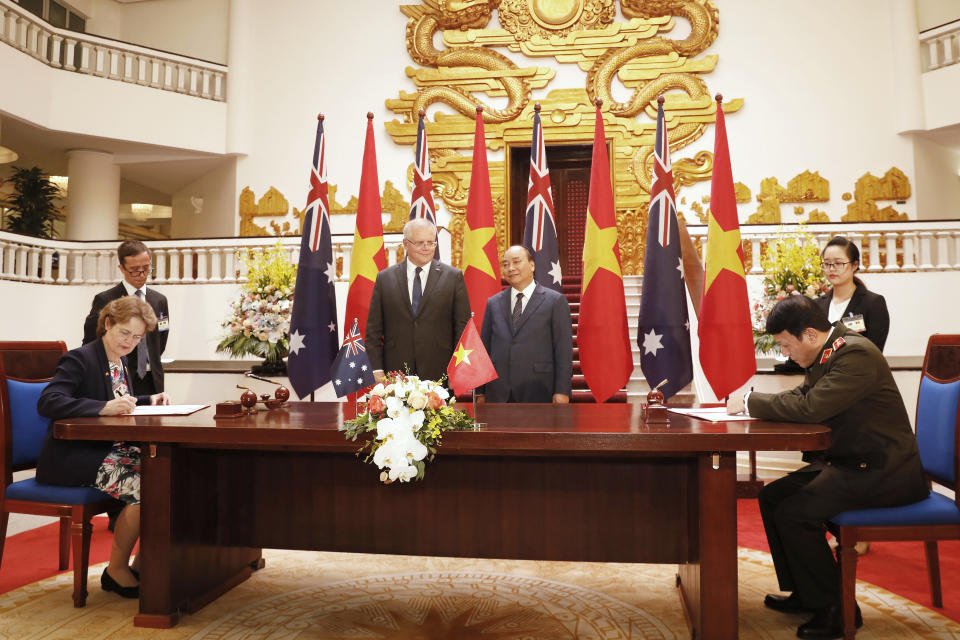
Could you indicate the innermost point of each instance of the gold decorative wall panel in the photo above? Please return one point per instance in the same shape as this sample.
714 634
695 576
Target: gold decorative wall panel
636 52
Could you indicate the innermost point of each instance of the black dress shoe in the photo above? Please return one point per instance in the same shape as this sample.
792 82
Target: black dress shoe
785 604
107 583
827 623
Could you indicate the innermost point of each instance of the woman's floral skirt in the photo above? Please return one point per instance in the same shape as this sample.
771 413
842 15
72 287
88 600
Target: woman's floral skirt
119 474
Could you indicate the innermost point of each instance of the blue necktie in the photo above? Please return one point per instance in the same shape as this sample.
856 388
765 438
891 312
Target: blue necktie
417 290
142 356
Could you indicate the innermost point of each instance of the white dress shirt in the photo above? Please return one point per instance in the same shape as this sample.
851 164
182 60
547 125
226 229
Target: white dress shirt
527 292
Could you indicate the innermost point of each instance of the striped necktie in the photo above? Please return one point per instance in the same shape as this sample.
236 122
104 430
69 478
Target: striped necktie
142 356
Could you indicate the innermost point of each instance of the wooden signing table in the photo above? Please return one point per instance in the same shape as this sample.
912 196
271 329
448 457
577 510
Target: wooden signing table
579 482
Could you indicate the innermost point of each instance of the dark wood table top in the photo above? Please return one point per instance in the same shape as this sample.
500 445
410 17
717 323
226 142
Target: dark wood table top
518 428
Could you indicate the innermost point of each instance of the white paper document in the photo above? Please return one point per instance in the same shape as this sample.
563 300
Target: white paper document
713 414
167 409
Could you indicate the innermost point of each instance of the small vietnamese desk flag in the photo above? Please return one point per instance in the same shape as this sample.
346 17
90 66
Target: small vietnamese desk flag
313 319
480 262
663 329
368 257
539 231
470 366
727 354
351 371
421 202
602 334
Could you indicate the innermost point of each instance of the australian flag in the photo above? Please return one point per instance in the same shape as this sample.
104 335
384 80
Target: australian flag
313 323
351 371
663 332
422 205
540 232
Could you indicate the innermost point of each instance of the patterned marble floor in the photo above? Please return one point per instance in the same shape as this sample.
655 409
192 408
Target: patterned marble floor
306 595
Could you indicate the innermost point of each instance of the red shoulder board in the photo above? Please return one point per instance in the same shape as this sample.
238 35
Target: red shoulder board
826 355
839 342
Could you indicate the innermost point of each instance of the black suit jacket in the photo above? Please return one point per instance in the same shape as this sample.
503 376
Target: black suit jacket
79 389
534 360
852 391
396 339
873 308
156 339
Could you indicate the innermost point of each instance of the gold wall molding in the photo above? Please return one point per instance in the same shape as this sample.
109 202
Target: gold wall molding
634 51
273 204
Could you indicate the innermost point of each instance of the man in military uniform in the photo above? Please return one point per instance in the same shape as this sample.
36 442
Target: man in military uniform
872 460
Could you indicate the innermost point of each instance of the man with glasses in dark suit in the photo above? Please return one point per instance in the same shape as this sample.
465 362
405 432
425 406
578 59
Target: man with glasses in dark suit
146 369
418 309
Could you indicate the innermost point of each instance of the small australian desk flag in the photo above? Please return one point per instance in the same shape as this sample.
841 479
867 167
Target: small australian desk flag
351 370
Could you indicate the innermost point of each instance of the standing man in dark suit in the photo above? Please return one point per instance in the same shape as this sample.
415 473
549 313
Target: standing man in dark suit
872 461
146 368
418 309
528 334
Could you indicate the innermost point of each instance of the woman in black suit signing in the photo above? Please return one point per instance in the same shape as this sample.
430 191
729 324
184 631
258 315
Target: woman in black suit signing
93 381
849 300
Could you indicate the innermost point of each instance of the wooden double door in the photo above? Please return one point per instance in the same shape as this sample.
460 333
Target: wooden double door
569 166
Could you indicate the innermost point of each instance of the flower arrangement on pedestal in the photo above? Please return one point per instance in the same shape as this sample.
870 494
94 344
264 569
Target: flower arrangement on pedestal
407 417
792 267
259 322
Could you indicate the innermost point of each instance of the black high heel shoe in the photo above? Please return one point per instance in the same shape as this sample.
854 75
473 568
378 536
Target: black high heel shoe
107 583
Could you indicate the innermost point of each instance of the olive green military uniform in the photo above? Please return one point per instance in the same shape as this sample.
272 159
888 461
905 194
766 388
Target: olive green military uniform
872 460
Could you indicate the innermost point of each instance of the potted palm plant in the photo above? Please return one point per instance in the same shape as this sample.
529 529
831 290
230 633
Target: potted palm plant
31 205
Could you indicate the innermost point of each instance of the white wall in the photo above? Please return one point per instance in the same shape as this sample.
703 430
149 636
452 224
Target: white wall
938 180
196 28
219 212
814 93
79 103
933 13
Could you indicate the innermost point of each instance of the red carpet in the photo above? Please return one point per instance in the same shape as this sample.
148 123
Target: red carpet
896 566
899 567
32 555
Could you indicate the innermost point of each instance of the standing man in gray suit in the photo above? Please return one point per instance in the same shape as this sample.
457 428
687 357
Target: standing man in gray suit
418 309
527 332
146 369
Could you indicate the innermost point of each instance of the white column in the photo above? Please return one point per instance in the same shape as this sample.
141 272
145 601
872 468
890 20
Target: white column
93 197
755 251
943 250
874 239
891 237
33 264
174 266
47 270
905 60
161 264
925 253
240 61
909 250
77 267
202 254
63 262
55 50
69 54
956 249
216 256
230 264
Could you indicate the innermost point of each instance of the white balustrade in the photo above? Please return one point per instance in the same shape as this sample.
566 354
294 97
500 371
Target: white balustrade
939 46
919 245
108 58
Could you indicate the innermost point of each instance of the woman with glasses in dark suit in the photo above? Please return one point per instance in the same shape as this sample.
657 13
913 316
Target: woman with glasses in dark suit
94 380
849 300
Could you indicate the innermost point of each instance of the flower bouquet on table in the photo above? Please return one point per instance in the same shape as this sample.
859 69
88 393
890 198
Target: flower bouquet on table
792 267
259 321
406 417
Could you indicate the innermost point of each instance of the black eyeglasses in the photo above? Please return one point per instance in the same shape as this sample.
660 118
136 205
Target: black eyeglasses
834 266
142 271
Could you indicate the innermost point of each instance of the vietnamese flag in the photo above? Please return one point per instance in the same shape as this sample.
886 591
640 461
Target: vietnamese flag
470 365
480 262
368 257
602 335
727 354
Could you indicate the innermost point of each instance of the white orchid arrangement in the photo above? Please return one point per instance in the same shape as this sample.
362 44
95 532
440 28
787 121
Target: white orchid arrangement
406 417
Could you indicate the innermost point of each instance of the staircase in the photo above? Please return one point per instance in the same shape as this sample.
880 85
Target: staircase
637 387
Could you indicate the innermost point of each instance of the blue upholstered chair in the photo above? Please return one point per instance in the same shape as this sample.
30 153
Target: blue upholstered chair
935 518
25 369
